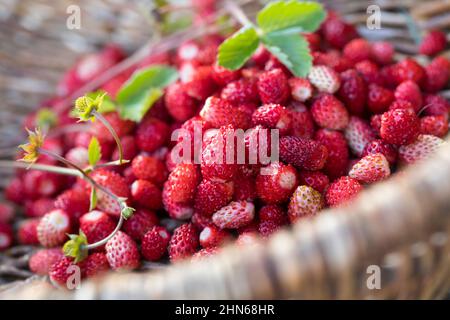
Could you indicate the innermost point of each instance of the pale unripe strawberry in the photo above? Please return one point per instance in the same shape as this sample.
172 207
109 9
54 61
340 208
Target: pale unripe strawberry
122 252
235 215
53 228
371 168
324 79
212 236
305 202
358 134
421 149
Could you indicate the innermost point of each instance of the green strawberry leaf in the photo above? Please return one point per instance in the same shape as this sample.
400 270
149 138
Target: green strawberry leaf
94 151
236 50
142 90
292 50
300 16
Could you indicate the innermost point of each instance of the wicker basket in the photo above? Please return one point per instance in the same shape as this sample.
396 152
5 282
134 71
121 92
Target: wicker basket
401 226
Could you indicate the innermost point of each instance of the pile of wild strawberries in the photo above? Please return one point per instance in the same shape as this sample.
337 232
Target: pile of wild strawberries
352 122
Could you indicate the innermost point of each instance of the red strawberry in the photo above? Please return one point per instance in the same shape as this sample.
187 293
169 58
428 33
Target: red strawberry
121 127
235 215
301 89
370 72
357 50
358 134
146 194
379 146
328 112
182 183
53 228
199 84
122 252
324 79
342 191
400 126
382 52
62 270
38 184
27 233
436 105
212 195
222 76
74 202
421 149
212 236
371 168
184 242
139 223
303 153
200 221
409 91
302 121
152 134
154 243
273 116
353 91
219 112
6 236
437 74
273 87
375 123
305 202
41 261
95 264
14 191
337 148
180 106
271 219
276 182
314 179
434 125
408 69
6 212
434 42
241 91
261 56
114 183
149 168
96 225
332 59
401 104
379 99
337 32
244 188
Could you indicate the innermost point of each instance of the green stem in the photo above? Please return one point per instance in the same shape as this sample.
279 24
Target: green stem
108 126
41 167
105 240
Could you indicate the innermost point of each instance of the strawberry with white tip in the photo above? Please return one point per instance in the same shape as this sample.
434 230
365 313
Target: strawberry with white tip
235 215
371 168
53 228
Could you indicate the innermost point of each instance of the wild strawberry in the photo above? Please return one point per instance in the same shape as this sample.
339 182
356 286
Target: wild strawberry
214 164
324 79
199 84
14 191
60 271
358 134
401 104
276 182
271 219
273 116
382 52
235 215
149 168
273 63
273 87
328 112
303 153
41 261
139 223
146 194
437 74
78 156
379 146
370 72
400 126
53 228
6 236
371 168
182 183
74 202
338 154
116 184
261 56
436 105
342 191
408 69
302 121
200 221
96 225
434 125
121 127
419 150
353 91
38 184
409 91
212 236
212 195
219 112
6 212
379 99
332 59
357 50
154 243
244 188
314 179
337 32
95 264
184 242
375 123
434 42
241 91
122 252
301 89
152 134
27 232
180 106
305 202
222 76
